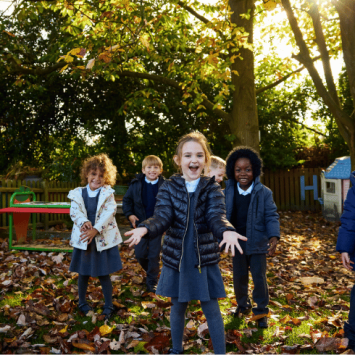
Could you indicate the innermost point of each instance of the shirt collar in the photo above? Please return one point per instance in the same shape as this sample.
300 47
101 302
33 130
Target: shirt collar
92 193
192 185
151 182
247 192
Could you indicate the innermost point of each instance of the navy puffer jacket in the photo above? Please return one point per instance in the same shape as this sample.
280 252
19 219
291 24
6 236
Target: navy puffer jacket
263 219
346 236
171 214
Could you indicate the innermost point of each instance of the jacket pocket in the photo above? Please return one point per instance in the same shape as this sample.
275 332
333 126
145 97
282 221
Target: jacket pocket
260 228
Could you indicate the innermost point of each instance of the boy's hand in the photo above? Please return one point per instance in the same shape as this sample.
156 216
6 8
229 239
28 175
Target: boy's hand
86 226
345 258
230 239
136 235
88 235
132 218
273 244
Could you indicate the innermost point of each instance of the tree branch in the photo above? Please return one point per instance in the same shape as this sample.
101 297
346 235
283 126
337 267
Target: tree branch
304 58
175 84
18 69
314 13
272 85
197 15
306 127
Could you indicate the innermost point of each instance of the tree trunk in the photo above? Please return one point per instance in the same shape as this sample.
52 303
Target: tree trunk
244 123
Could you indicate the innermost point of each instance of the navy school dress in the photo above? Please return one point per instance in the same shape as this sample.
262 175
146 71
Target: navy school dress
189 284
91 262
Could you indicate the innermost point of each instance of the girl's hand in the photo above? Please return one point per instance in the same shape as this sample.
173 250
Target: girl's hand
136 235
272 243
88 235
230 239
86 226
133 219
345 258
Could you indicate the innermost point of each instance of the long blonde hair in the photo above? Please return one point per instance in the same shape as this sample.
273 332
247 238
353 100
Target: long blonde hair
197 137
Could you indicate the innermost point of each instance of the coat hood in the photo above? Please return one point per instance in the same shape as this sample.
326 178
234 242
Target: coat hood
352 178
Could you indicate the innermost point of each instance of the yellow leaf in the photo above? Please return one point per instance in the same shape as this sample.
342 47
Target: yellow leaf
60 58
233 58
81 67
65 67
198 49
105 329
68 58
145 40
269 4
75 51
64 329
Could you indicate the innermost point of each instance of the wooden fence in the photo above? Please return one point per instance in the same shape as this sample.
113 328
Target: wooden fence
286 187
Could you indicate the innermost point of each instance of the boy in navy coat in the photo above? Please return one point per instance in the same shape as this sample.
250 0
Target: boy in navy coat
346 246
138 205
252 211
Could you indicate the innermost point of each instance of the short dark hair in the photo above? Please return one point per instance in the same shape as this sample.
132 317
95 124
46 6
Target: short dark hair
244 152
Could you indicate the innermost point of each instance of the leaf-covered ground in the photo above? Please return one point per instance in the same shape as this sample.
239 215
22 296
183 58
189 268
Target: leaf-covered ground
309 301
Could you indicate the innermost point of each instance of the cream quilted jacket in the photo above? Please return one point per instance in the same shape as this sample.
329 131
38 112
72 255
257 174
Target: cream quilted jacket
105 222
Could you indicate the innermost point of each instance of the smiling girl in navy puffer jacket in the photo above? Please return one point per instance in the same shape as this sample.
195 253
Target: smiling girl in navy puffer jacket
191 208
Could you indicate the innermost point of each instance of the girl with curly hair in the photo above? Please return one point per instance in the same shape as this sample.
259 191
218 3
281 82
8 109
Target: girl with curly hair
93 209
252 211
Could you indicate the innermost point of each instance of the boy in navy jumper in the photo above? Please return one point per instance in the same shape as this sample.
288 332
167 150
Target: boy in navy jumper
346 246
252 211
138 205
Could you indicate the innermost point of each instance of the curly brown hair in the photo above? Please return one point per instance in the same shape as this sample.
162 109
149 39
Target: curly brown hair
104 164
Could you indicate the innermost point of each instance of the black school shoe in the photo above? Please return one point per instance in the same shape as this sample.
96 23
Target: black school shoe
172 351
241 311
263 323
351 345
85 308
151 288
108 312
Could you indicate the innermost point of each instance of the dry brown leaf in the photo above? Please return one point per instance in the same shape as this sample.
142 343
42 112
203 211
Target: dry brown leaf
84 344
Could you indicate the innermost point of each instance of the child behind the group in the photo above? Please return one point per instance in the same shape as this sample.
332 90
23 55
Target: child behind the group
191 209
252 211
138 205
93 211
217 168
346 246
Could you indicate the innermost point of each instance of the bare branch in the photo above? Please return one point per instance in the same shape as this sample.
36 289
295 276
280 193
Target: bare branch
314 13
304 58
197 15
306 127
272 85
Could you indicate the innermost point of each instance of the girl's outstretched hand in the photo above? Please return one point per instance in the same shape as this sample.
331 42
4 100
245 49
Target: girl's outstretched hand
230 239
345 258
136 235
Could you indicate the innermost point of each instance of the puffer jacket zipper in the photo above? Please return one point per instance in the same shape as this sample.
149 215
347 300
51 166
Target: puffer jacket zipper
198 250
187 224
